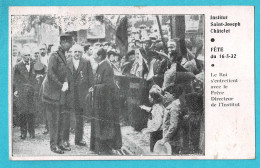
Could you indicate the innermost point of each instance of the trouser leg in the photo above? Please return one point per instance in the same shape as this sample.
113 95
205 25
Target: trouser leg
154 137
53 114
65 125
23 125
45 119
92 137
30 121
79 127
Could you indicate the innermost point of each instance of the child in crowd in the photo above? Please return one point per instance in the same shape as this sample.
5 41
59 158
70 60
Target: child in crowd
157 113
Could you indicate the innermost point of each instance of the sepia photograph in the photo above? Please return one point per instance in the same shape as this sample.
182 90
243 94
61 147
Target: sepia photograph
107 85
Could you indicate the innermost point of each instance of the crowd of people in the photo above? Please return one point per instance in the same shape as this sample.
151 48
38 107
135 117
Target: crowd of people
80 78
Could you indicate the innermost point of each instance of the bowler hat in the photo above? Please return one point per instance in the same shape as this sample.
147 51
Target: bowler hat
39 68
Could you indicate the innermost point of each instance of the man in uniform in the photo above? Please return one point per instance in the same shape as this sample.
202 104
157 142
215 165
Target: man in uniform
105 126
55 86
24 82
80 81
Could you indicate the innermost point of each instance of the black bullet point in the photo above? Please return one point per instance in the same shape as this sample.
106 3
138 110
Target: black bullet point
212 39
212 65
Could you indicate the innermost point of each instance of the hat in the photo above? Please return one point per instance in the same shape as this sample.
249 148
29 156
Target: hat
66 37
39 68
112 52
86 47
162 149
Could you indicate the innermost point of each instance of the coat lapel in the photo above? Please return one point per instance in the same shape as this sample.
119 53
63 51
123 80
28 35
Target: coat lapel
70 65
31 68
80 66
25 71
62 56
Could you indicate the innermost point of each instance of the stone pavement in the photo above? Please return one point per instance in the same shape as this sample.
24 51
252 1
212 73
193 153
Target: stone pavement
134 143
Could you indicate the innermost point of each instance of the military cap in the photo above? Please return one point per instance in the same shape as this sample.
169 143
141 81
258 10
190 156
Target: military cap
66 37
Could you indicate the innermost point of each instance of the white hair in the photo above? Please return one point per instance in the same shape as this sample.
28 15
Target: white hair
77 47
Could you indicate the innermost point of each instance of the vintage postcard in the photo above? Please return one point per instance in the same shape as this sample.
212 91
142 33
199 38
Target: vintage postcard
131 83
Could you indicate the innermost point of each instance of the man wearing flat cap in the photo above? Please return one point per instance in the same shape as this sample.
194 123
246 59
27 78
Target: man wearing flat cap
80 81
24 87
55 86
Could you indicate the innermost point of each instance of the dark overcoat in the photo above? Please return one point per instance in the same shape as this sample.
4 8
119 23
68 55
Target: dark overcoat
105 123
25 83
57 74
80 81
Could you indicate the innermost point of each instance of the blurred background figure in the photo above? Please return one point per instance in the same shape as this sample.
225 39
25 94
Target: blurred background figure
87 51
44 58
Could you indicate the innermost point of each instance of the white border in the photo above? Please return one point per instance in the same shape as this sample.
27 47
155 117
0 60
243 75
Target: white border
206 10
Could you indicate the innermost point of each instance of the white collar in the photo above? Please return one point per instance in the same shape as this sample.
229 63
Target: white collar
25 63
75 61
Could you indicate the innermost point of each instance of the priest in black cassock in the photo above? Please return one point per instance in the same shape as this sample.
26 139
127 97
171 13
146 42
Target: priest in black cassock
105 127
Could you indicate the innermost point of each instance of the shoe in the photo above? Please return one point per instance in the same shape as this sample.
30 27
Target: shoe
81 143
57 150
66 144
62 147
45 131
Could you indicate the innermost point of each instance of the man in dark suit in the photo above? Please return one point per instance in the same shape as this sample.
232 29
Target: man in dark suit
105 126
80 81
24 82
54 93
